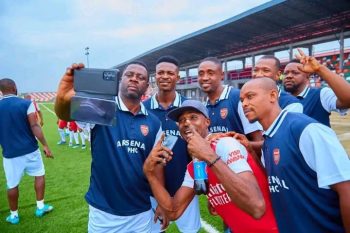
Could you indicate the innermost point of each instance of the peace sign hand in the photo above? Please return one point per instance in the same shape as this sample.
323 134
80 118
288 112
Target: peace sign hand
309 63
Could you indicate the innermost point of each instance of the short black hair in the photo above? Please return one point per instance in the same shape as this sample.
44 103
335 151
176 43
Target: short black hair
212 59
6 85
138 62
168 59
277 61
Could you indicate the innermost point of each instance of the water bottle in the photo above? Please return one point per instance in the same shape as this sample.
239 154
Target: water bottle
201 185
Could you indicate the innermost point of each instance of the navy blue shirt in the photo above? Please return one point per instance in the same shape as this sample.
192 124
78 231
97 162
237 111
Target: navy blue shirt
226 114
176 168
289 102
298 202
117 184
16 136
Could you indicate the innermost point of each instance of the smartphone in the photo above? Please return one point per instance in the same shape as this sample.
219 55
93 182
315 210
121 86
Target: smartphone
169 141
103 82
95 92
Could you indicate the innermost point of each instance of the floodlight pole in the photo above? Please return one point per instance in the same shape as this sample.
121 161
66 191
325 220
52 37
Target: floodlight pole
87 56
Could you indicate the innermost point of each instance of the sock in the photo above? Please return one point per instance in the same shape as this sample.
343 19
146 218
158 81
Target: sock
71 137
63 137
40 204
82 137
76 138
14 213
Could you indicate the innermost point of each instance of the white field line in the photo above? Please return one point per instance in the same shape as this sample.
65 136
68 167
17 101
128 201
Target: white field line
42 105
206 226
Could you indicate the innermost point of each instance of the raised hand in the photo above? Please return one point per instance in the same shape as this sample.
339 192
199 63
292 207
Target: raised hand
65 88
199 147
309 63
159 155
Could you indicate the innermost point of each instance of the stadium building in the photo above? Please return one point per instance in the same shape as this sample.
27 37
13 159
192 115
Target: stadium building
275 27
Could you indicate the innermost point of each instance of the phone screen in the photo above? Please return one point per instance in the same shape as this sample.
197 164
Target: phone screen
95 111
169 141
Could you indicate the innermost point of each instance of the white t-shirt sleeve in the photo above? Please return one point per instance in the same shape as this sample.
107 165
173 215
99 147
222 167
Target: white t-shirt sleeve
324 154
188 180
31 109
233 153
295 107
247 126
329 101
158 136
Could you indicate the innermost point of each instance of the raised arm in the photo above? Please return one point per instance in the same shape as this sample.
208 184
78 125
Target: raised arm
242 187
65 93
173 206
338 84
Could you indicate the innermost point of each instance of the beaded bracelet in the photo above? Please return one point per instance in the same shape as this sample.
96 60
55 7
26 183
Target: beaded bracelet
212 163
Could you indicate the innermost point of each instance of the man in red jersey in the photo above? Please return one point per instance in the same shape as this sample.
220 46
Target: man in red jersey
238 188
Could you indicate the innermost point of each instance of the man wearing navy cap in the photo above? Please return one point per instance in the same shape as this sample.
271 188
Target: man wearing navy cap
165 100
233 189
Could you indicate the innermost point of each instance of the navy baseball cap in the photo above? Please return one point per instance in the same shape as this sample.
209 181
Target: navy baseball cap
186 106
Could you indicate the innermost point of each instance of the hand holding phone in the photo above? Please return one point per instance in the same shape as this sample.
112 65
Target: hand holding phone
169 141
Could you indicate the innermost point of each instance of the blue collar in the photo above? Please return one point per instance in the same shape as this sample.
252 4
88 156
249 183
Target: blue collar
276 124
8 96
155 103
304 93
121 106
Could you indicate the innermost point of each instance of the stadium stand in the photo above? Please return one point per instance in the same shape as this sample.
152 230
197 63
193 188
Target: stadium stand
41 96
254 33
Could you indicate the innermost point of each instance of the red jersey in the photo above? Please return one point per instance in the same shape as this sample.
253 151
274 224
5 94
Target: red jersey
238 220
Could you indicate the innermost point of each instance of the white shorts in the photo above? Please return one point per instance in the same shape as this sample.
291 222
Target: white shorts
14 168
188 222
102 222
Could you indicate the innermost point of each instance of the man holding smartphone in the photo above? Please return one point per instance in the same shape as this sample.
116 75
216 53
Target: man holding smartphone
119 194
165 100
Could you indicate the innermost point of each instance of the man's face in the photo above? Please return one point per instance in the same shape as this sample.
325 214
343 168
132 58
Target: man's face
134 82
294 80
210 76
254 101
193 119
167 75
266 68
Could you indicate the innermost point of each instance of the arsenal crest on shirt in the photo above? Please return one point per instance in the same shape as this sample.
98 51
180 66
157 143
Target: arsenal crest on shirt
276 155
223 113
144 130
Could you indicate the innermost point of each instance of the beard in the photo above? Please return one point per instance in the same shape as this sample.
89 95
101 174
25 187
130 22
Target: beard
290 88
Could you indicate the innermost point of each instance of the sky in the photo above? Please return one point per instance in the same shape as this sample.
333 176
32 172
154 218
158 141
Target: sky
39 39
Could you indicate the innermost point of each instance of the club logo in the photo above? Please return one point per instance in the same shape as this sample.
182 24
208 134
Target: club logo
223 113
144 130
276 155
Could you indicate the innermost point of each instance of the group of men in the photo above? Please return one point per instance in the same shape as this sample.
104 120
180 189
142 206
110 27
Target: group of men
278 170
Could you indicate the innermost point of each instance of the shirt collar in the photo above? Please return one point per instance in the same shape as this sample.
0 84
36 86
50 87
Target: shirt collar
155 103
8 96
121 106
276 124
304 93
279 90
224 94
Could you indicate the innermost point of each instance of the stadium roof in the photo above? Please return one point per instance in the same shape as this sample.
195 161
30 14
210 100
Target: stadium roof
275 23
